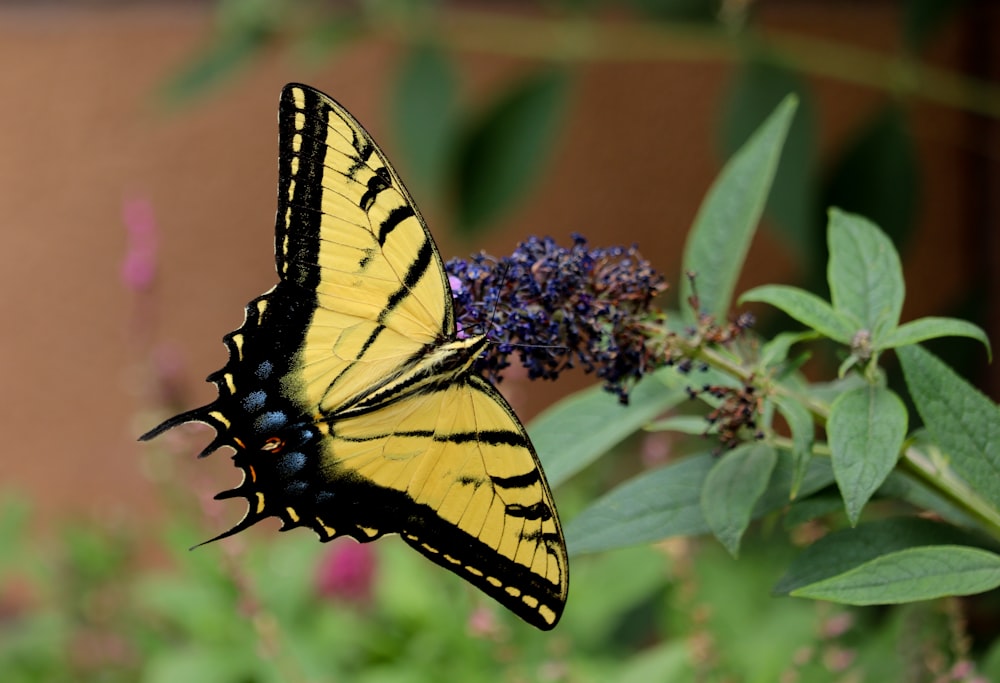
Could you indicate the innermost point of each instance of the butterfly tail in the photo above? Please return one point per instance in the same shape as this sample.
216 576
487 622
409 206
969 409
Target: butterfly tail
203 415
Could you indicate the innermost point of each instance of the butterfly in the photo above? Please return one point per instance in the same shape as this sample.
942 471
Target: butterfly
349 398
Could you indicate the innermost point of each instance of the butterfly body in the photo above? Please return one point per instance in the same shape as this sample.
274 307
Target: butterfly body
350 401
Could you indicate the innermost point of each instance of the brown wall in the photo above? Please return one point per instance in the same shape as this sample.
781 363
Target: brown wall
79 135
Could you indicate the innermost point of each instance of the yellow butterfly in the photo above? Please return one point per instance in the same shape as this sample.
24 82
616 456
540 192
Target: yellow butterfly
348 397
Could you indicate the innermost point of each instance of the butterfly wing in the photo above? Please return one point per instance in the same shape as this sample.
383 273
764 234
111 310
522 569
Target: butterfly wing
338 420
472 494
349 235
362 291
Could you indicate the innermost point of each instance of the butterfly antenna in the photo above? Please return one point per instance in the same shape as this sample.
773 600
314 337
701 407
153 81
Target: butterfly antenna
493 313
496 303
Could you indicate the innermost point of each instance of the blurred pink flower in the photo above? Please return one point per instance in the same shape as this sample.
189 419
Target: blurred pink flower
483 623
347 572
656 448
139 264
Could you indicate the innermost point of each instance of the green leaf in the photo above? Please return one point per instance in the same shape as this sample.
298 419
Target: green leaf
878 175
866 430
655 505
609 599
757 89
208 68
581 428
775 351
963 422
728 217
197 662
828 392
732 489
425 115
807 308
199 609
865 275
15 516
803 429
669 661
321 39
923 329
989 664
502 155
808 509
818 475
685 424
667 502
905 486
910 575
845 550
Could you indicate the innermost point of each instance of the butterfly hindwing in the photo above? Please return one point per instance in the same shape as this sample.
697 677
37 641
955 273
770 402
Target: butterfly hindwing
349 401
477 502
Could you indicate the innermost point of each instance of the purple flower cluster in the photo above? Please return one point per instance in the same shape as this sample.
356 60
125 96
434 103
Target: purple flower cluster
563 307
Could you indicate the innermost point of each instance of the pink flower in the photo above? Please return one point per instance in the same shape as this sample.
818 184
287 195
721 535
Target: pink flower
139 264
347 572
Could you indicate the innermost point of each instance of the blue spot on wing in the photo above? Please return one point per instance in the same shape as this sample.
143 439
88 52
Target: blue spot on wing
270 421
293 488
254 401
264 370
292 462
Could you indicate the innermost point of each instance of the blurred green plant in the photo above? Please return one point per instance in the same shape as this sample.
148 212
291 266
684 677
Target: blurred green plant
667 613
483 161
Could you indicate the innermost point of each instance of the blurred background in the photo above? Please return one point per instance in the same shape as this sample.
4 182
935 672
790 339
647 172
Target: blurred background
138 170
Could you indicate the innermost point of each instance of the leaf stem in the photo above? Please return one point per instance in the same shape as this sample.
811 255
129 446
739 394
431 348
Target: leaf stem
584 39
935 473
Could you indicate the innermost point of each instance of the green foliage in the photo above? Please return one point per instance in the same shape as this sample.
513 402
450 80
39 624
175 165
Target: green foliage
728 217
254 613
866 442
963 423
881 156
483 162
425 112
866 429
505 145
759 87
571 435
667 502
732 488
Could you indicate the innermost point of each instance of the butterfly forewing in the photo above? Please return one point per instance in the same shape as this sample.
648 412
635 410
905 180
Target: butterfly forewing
347 228
348 399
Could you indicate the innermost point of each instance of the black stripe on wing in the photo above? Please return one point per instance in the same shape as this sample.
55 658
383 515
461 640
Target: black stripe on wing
302 149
